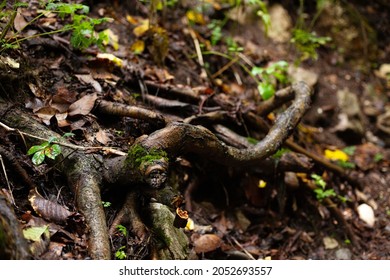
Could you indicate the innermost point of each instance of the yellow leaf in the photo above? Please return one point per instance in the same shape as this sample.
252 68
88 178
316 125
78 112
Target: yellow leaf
262 184
112 39
190 224
131 19
336 155
142 28
195 17
111 57
138 47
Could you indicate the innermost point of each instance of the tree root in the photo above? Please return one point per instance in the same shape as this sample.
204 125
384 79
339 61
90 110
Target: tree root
147 160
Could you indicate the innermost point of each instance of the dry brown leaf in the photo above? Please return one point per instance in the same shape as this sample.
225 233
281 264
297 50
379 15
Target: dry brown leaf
61 120
88 79
83 106
46 113
47 209
207 243
19 21
102 137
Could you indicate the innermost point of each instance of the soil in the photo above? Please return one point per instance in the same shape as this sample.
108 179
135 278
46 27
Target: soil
245 212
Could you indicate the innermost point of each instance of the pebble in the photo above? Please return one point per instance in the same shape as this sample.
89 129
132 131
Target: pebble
343 254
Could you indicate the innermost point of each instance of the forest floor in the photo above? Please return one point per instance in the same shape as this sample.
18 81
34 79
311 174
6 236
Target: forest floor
239 213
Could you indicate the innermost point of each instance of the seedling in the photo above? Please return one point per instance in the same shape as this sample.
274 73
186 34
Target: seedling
321 192
106 204
120 253
122 230
270 76
81 26
47 149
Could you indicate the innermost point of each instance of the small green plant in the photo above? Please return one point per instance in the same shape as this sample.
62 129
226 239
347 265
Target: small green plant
46 149
270 76
106 204
122 230
321 192
262 12
120 254
216 31
307 43
378 157
280 152
82 27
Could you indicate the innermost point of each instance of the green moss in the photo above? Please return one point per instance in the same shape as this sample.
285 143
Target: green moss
138 155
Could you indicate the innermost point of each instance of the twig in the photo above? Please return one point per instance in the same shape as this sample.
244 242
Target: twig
6 178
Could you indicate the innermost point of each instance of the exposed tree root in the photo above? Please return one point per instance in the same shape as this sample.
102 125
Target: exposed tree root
147 160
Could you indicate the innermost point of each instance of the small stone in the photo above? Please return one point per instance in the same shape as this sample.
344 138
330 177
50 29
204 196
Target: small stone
343 254
366 214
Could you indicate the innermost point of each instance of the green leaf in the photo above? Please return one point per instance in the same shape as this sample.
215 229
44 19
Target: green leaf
52 139
53 151
350 150
38 157
122 229
37 148
257 71
68 134
318 181
266 90
35 233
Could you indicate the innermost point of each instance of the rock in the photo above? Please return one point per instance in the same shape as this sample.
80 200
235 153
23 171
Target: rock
281 25
366 214
300 74
343 254
351 117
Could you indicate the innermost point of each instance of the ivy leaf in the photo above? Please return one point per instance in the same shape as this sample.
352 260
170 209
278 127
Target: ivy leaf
38 157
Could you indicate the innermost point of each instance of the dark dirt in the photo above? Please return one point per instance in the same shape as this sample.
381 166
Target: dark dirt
284 219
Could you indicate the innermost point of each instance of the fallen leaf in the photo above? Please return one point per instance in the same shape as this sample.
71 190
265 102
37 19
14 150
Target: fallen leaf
330 243
88 79
112 58
336 155
366 214
19 22
35 233
138 47
112 39
207 243
10 62
102 137
46 113
47 209
83 106
142 28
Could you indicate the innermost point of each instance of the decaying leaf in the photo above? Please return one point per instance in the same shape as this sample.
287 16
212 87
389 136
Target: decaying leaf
88 79
102 137
48 210
112 39
83 106
112 58
207 243
330 243
138 47
142 28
